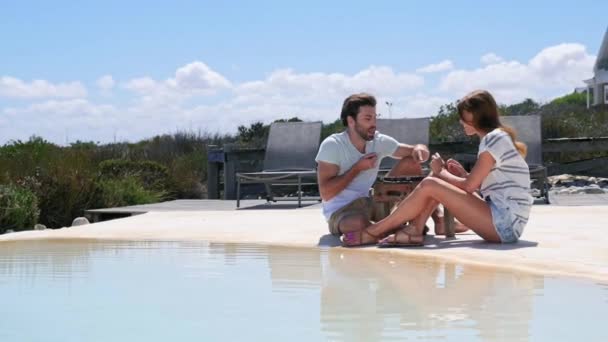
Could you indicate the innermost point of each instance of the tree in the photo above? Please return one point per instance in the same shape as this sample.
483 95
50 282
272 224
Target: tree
445 126
526 107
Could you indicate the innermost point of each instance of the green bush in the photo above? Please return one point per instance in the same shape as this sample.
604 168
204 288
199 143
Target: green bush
151 174
569 119
21 159
125 191
526 107
187 173
18 208
445 126
63 195
571 99
331 128
62 178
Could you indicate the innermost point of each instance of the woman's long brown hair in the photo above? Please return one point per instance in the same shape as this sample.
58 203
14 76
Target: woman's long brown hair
486 118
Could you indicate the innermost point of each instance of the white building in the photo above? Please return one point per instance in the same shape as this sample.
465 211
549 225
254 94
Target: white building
599 83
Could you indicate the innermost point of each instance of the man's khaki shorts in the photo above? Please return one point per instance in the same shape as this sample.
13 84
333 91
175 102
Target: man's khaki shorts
360 206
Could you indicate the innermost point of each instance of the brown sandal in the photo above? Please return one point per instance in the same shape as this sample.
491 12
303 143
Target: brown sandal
349 235
386 243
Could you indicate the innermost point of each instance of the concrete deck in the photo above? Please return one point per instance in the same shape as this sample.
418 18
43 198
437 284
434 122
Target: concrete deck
559 240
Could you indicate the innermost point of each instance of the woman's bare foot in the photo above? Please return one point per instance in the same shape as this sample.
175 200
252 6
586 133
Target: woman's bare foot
458 227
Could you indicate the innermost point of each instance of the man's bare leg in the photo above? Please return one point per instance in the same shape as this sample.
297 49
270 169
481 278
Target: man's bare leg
353 223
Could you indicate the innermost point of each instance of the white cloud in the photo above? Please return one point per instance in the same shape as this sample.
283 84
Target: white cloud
491 58
55 120
63 108
105 83
197 76
313 96
157 107
291 87
198 97
193 79
554 71
143 85
15 88
445 65
419 105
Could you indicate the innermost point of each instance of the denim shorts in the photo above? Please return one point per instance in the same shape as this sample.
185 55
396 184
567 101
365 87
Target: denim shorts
503 220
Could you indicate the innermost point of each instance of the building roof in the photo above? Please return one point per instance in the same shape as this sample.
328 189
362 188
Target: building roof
602 55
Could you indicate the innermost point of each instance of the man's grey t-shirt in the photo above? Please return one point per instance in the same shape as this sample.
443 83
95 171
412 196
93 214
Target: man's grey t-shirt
338 149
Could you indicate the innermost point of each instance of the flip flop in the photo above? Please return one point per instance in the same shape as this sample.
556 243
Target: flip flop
409 243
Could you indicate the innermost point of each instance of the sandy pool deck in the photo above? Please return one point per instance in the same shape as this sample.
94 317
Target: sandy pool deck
558 241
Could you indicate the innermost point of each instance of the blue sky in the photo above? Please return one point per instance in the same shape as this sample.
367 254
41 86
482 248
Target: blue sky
262 60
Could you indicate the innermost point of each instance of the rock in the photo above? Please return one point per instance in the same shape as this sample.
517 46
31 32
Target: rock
559 178
80 221
574 190
571 184
593 190
39 227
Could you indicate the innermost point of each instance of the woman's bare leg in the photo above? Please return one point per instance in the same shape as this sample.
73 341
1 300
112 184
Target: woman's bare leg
469 209
407 166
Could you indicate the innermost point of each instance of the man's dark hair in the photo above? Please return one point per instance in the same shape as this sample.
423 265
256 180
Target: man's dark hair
353 103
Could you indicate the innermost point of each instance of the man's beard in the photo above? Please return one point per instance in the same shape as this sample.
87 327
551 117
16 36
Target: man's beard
364 134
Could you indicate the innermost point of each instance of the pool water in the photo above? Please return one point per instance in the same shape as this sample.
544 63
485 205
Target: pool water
177 291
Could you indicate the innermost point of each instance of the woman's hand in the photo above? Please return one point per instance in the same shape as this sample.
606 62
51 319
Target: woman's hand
456 168
437 164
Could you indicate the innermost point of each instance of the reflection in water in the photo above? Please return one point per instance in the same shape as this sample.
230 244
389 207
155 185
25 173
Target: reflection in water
422 298
156 291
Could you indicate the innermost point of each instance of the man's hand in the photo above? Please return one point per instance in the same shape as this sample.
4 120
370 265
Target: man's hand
366 162
331 184
456 168
421 153
437 164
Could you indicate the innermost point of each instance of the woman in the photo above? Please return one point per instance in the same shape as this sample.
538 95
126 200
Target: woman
500 175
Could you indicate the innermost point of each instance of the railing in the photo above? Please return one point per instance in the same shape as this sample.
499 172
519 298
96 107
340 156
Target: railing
223 163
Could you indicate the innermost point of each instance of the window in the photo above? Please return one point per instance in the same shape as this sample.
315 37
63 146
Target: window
602 64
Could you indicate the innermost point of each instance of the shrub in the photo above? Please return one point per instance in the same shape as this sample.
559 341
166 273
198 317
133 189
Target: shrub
445 126
151 174
187 173
63 196
571 99
125 191
18 208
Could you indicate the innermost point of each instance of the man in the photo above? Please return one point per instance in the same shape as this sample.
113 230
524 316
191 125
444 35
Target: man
348 165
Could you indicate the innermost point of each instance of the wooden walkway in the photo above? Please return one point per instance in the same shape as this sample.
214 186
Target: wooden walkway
97 215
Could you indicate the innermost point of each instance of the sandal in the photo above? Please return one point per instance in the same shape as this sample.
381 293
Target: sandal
350 236
412 240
